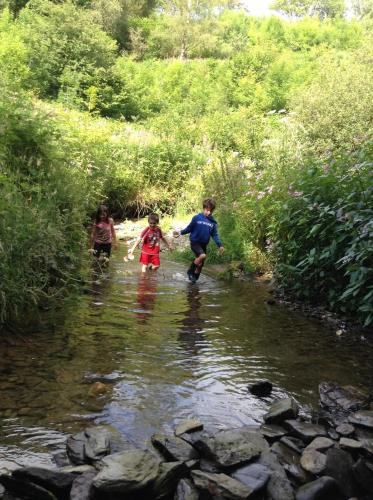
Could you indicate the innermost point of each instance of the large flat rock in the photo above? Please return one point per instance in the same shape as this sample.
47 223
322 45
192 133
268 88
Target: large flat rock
127 472
232 447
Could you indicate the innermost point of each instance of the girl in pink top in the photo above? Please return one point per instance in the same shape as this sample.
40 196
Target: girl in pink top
103 233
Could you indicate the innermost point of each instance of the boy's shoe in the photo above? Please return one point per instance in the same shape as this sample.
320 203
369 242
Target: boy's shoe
191 276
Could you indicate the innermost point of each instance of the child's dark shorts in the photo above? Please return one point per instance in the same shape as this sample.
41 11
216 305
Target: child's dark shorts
100 248
198 248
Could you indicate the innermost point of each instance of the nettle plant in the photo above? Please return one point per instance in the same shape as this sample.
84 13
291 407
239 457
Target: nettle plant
324 237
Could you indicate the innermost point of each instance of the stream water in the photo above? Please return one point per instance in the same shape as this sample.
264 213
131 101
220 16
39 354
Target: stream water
165 350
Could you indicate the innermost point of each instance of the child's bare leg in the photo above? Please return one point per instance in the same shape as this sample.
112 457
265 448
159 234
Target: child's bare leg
154 268
144 268
199 260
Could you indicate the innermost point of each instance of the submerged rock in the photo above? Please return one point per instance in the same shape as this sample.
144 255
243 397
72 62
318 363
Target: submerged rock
260 388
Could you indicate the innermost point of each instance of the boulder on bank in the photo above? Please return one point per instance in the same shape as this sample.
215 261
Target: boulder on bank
281 410
230 448
336 398
128 472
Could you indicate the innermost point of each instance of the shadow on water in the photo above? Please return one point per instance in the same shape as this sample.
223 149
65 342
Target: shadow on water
163 350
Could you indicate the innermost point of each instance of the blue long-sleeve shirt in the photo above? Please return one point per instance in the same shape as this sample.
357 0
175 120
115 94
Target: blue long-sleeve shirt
201 229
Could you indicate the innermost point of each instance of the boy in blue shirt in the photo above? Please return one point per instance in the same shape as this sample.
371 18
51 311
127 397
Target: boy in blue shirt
202 227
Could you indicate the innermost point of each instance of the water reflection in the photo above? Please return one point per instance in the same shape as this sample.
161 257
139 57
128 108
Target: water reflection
146 296
191 332
165 350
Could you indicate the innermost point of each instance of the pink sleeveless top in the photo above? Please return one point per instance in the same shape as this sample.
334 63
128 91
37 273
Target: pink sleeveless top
103 232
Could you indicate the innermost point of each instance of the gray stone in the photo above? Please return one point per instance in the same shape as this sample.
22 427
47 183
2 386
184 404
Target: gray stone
345 430
290 460
221 485
82 486
320 444
363 473
77 469
324 488
350 444
97 444
174 448
260 388
345 398
26 490
2 491
189 425
313 461
363 418
127 472
305 430
272 432
255 476
59 483
293 443
186 491
208 466
281 410
339 466
229 448
367 446
75 448
278 486
168 477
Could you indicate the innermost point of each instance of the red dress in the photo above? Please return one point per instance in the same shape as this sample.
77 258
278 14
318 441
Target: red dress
151 238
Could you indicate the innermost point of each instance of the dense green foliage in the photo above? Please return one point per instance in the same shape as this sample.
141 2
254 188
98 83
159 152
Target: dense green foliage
152 105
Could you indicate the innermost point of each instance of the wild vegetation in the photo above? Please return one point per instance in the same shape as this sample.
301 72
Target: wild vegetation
152 105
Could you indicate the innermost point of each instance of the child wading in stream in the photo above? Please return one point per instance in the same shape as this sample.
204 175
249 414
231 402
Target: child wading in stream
202 227
103 233
150 239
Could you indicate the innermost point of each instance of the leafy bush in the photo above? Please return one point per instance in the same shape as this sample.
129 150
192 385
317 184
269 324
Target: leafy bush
324 237
41 212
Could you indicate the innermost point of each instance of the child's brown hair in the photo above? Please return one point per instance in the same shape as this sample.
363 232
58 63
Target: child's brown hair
209 203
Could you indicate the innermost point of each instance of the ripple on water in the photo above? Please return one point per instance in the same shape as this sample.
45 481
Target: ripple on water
165 350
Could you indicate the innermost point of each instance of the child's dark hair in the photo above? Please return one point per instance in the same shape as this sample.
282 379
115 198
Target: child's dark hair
153 218
209 203
102 208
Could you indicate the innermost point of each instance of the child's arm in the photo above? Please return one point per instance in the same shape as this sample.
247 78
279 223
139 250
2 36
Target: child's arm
186 230
139 240
136 244
113 234
215 236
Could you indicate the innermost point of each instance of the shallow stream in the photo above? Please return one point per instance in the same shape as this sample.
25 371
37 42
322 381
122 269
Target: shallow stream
164 350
